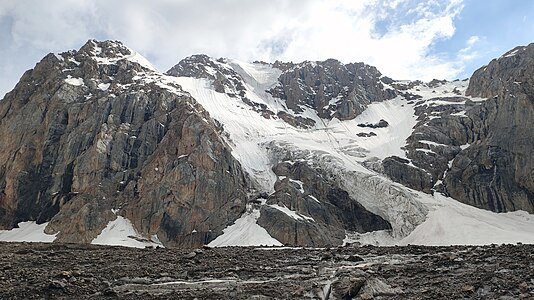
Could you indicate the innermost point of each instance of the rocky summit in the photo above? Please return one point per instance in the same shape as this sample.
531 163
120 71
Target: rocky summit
98 146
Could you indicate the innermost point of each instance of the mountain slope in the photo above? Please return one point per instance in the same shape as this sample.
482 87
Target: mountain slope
84 138
316 153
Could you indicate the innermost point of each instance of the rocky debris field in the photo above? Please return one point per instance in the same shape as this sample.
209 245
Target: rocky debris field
75 271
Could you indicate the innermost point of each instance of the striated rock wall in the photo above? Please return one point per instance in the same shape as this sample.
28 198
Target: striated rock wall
442 130
497 171
333 89
86 132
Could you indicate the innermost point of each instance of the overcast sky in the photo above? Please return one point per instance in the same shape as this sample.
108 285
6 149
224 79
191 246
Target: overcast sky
405 39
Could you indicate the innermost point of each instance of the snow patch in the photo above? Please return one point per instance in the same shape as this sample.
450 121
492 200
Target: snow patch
134 57
245 232
432 143
58 57
28 231
314 199
469 225
299 184
291 213
465 146
460 114
103 86
120 232
512 53
74 81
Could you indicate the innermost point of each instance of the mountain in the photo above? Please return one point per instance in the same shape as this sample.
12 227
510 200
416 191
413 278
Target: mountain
98 146
92 134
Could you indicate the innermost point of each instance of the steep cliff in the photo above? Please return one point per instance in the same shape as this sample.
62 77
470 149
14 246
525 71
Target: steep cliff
91 133
332 89
497 171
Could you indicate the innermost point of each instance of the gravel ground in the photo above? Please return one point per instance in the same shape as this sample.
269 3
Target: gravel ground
74 271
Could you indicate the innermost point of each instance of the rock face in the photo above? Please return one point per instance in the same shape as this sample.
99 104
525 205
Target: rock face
442 130
320 212
333 89
225 80
480 152
497 171
87 131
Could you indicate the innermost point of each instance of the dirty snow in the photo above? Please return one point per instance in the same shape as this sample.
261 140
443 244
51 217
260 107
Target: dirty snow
120 232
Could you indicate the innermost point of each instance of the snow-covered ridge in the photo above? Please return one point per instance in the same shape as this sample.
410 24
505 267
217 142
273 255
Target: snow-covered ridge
119 51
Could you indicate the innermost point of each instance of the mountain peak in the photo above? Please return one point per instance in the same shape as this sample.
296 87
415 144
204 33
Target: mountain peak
510 72
110 52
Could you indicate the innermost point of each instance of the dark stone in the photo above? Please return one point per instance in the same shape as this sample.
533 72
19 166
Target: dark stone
331 209
354 258
381 124
366 134
317 84
57 285
398 170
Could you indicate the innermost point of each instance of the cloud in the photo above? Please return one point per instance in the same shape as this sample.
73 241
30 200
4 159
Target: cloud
397 36
469 53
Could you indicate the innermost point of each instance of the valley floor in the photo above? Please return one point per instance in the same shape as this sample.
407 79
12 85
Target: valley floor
72 271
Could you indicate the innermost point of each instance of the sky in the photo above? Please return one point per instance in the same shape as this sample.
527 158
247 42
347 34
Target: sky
404 39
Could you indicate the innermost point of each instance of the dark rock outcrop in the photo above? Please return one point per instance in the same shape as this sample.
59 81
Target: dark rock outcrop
399 170
477 152
442 129
321 211
496 171
86 132
333 89
381 124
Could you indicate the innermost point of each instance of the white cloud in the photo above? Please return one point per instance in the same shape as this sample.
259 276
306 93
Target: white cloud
469 53
396 36
342 30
